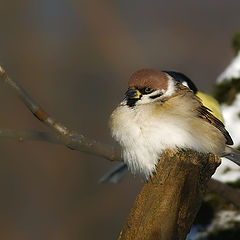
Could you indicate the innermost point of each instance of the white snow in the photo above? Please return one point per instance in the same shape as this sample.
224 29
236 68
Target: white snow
232 120
229 171
224 219
232 71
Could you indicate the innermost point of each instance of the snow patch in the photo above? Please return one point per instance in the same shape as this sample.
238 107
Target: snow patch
232 71
229 171
224 220
231 115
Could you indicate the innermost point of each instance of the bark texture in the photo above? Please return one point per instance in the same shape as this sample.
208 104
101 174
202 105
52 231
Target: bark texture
168 203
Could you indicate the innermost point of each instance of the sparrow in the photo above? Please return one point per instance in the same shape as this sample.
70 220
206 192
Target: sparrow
118 172
159 113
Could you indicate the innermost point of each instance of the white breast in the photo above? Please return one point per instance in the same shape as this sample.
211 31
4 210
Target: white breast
143 136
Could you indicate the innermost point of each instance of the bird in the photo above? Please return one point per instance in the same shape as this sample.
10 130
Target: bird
118 172
159 113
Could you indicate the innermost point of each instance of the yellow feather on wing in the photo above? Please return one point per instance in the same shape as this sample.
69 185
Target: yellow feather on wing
211 103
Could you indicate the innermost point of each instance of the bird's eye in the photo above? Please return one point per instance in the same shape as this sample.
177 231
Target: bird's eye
147 90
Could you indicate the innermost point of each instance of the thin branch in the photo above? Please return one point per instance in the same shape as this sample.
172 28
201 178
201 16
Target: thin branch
29 135
223 190
69 138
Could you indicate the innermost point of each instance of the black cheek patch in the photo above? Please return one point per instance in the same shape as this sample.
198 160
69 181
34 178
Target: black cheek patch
156 96
132 102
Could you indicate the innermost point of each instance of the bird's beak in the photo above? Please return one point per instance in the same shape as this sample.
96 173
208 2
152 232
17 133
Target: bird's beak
133 94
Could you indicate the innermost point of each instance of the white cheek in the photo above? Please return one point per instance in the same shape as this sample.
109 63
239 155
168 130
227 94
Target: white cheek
147 98
184 83
171 87
144 100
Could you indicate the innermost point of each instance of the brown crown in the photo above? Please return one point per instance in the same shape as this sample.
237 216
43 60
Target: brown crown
148 78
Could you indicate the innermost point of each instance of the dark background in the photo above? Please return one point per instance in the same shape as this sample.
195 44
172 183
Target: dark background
75 58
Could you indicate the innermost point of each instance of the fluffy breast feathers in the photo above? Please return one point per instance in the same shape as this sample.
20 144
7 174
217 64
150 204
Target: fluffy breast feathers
146 130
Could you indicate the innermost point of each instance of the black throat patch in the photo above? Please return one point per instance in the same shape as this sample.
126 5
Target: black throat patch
131 102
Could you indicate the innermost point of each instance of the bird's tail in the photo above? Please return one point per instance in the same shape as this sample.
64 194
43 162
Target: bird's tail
232 154
115 175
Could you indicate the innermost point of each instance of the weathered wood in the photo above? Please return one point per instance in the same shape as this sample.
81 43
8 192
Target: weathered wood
168 203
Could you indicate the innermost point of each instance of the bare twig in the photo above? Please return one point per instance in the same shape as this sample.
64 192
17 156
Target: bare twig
29 135
223 190
69 138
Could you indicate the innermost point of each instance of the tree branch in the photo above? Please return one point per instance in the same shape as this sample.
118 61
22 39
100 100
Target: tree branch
168 203
30 135
223 190
67 137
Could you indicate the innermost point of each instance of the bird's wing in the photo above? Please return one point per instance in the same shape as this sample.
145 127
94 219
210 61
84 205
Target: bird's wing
205 114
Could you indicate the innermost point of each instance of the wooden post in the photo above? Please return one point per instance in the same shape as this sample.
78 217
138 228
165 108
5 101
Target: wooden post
168 203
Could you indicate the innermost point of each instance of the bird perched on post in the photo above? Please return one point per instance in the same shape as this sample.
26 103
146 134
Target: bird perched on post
161 113
118 172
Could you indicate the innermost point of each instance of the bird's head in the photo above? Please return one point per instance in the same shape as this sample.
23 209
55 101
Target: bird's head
148 85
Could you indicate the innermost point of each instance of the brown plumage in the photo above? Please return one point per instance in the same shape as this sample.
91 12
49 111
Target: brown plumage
205 114
148 78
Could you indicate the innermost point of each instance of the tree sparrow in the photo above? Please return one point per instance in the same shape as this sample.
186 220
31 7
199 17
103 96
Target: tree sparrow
115 174
160 113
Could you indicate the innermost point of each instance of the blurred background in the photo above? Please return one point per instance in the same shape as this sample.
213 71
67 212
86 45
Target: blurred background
75 58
